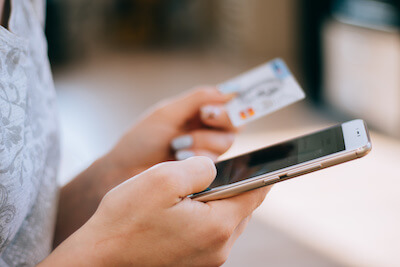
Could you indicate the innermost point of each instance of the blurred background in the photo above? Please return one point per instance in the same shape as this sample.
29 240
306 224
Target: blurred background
112 59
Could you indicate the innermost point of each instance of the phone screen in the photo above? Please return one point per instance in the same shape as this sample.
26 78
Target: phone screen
279 156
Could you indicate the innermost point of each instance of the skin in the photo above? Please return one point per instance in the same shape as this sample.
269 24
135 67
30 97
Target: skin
106 218
147 220
1 11
4 12
151 136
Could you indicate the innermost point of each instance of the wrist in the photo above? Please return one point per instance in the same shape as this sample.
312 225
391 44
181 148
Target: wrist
117 166
78 250
110 172
80 198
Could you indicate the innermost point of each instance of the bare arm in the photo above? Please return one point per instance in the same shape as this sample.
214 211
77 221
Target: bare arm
4 12
80 198
1 9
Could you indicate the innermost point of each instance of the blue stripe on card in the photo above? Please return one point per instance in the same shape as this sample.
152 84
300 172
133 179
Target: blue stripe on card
280 69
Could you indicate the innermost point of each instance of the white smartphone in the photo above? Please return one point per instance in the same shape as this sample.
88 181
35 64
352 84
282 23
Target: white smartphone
288 159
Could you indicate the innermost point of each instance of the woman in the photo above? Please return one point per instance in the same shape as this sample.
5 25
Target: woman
105 217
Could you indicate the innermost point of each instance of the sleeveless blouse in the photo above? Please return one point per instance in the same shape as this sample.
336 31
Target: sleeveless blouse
29 145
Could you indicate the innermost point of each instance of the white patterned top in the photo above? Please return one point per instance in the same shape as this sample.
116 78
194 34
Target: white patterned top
29 146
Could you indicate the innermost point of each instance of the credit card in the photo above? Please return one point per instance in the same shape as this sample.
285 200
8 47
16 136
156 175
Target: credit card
261 91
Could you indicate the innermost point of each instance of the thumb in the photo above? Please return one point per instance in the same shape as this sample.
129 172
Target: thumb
169 182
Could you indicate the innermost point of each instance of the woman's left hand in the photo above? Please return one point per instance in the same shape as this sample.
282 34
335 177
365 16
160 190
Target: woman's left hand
192 124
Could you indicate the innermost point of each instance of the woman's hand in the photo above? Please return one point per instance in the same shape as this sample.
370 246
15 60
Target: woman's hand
194 123
149 221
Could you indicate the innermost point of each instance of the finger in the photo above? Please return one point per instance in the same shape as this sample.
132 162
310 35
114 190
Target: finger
215 141
172 181
216 116
227 246
185 154
187 106
237 232
236 208
212 140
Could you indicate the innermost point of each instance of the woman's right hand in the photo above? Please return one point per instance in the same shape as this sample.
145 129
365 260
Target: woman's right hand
149 221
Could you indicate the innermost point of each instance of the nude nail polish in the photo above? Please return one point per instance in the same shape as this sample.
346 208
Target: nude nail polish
181 142
183 154
210 112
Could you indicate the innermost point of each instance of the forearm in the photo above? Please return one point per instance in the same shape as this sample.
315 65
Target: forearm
80 198
82 248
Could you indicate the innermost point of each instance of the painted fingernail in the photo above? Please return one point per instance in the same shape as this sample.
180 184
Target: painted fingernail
183 154
210 112
181 142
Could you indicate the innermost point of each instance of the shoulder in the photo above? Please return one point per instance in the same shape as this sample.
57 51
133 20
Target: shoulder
40 9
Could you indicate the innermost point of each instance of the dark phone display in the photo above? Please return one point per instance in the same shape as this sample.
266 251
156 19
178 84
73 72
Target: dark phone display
279 156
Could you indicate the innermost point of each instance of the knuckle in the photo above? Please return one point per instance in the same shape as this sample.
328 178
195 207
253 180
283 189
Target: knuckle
214 140
220 233
107 198
161 106
160 111
256 199
261 193
229 139
220 258
224 235
204 92
197 137
165 174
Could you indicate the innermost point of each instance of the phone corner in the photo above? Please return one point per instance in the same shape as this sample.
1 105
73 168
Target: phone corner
363 151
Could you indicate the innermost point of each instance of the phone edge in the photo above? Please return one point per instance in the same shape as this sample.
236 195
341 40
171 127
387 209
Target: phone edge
270 179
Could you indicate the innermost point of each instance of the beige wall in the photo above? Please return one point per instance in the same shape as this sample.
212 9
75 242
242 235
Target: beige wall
255 31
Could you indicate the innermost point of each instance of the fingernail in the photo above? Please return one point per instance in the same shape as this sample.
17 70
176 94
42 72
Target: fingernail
229 88
181 142
210 112
183 154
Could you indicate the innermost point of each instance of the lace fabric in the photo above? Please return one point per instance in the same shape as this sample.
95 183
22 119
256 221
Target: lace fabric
29 146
